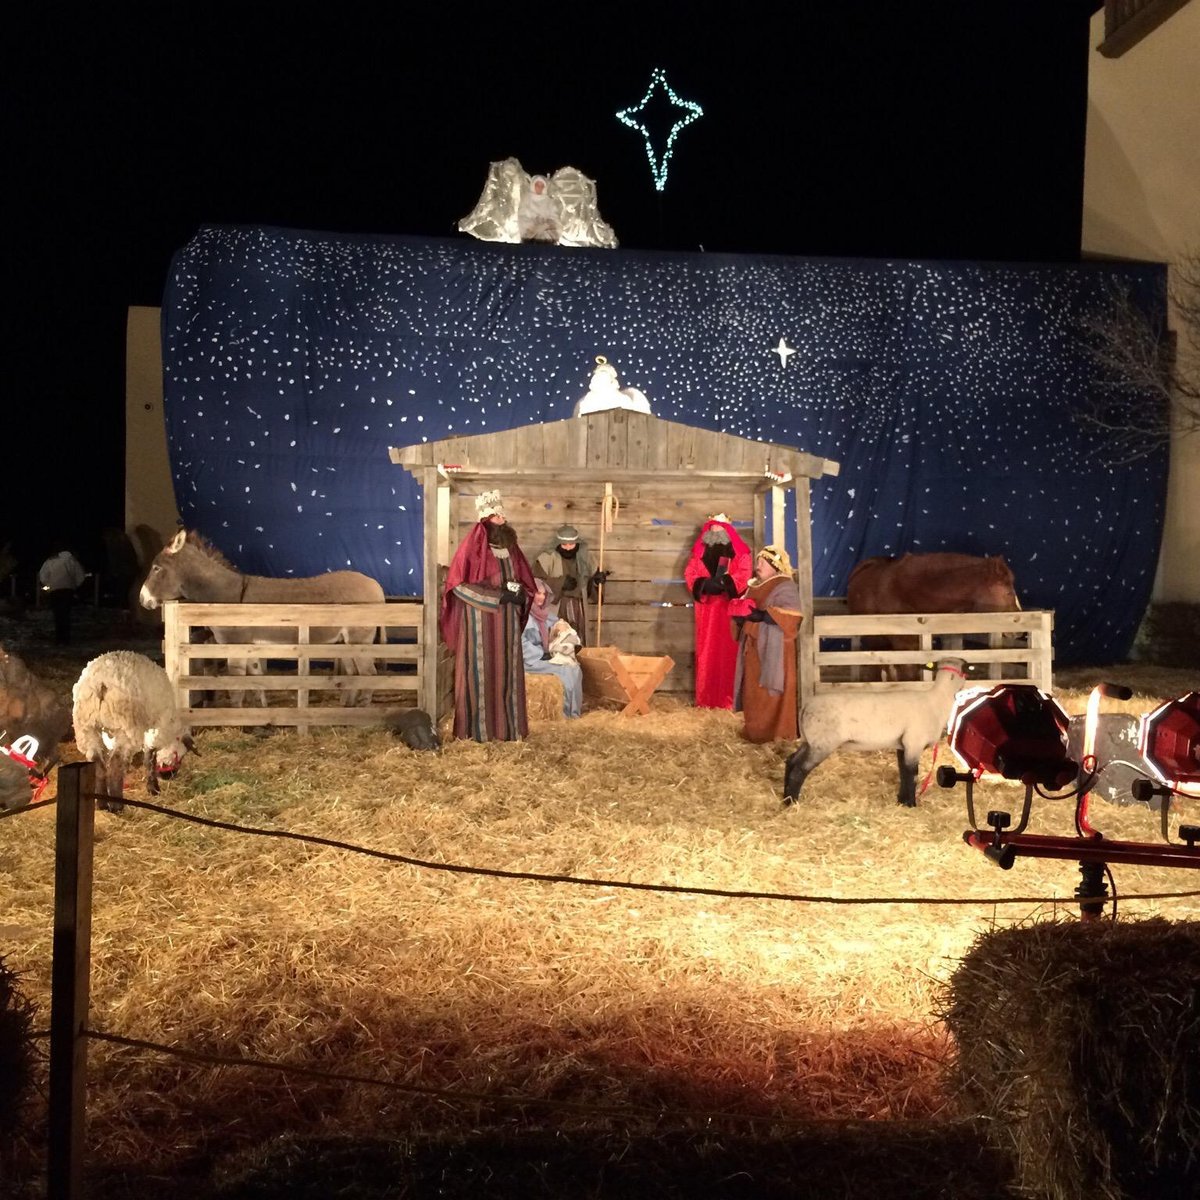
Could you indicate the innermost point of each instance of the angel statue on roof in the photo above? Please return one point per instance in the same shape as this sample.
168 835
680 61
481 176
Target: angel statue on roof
518 207
605 391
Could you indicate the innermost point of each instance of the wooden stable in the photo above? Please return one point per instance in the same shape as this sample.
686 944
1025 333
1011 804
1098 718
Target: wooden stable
667 479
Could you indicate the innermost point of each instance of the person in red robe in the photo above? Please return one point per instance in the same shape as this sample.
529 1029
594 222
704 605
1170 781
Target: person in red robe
489 589
717 574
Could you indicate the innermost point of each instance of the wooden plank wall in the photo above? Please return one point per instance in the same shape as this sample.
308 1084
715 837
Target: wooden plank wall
617 439
647 607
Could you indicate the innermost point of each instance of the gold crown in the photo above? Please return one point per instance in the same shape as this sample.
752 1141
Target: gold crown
489 504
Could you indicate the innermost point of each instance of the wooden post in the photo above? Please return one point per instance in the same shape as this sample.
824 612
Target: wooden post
303 666
70 977
806 672
173 633
606 520
778 517
433 496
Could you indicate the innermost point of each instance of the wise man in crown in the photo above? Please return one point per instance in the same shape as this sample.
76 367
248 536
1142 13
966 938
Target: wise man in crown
489 590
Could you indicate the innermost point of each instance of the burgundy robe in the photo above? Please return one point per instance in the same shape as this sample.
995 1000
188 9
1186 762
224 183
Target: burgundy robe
485 634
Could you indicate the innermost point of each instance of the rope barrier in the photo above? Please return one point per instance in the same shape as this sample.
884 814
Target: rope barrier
24 808
669 888
205 1058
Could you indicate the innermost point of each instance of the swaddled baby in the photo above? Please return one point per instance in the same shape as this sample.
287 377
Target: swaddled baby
563 643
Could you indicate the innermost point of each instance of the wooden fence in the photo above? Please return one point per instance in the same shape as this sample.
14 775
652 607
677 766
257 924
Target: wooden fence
303 681
1008 647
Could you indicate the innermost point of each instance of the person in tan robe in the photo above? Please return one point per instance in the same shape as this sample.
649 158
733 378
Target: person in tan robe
765 677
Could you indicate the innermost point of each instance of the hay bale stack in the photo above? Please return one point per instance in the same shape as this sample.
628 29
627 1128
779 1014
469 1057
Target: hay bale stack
1081 1045
16 1051
544 697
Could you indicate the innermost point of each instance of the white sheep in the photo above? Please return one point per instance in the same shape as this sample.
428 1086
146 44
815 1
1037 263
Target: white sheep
124 705
908 720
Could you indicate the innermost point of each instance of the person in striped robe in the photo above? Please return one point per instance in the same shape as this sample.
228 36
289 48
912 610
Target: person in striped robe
489 590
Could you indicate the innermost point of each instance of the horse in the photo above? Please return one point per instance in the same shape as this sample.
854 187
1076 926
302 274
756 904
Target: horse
191 568
928 583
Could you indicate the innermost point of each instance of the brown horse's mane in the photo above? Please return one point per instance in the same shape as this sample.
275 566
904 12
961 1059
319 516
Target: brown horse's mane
201 543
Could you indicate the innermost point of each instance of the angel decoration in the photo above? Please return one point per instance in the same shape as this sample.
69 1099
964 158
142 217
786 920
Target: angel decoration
518 207
605 391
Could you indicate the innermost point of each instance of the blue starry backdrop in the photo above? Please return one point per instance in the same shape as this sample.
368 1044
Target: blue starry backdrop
947 391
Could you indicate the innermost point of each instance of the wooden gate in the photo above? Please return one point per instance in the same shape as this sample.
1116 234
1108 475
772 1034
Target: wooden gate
302 685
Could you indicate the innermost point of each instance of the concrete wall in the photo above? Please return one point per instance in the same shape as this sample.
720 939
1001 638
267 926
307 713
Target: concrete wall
1141 200
149 494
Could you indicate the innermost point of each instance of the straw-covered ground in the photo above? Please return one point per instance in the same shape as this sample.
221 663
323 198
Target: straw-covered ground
548 1006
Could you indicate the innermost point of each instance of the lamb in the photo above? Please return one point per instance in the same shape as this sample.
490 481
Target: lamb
414 727
909 719
124 705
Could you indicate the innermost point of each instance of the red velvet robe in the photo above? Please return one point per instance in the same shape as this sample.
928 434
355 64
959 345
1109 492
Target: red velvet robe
489 670
716 650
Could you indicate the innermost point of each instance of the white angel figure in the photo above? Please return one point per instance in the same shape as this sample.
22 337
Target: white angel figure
606 392
517 207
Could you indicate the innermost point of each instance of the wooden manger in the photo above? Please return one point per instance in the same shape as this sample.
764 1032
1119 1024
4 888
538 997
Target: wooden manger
625 680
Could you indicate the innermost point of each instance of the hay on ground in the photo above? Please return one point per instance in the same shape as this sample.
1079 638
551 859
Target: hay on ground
538 992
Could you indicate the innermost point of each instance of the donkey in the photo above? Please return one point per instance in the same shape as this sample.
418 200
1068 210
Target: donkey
191 568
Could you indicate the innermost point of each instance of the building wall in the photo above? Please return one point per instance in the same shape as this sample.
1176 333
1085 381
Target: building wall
1141 200
149 494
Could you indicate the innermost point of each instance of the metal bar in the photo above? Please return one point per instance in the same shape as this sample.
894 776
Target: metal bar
1037 845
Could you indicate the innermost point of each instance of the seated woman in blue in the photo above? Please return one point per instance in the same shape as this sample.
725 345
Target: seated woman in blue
541 660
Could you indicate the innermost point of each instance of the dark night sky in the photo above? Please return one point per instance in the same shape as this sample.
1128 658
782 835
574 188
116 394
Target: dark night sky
945 130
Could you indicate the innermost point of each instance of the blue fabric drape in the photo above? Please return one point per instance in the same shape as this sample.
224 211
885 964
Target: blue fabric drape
948 392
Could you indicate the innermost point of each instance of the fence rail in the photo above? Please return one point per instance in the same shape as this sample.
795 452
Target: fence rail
293 634
1007 647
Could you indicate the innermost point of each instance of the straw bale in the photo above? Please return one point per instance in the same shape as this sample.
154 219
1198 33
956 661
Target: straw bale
1080 1043
544 697
16 1049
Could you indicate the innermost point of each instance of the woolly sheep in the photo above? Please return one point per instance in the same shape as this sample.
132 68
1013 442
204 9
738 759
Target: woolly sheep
908 720
30 708
124 705
414 727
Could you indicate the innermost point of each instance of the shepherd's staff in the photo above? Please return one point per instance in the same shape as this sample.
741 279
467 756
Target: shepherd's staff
607 512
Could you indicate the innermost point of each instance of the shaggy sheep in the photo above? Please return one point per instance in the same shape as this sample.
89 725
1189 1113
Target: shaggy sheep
15 791
30 708
124 706
414 727
906 719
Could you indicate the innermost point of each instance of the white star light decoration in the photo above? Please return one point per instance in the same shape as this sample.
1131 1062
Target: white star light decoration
783 350
633 117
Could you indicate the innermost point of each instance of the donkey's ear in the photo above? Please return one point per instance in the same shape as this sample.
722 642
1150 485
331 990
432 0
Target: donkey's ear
177 542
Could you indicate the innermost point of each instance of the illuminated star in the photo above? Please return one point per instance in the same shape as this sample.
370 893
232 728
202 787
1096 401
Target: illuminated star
783 350
635 118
